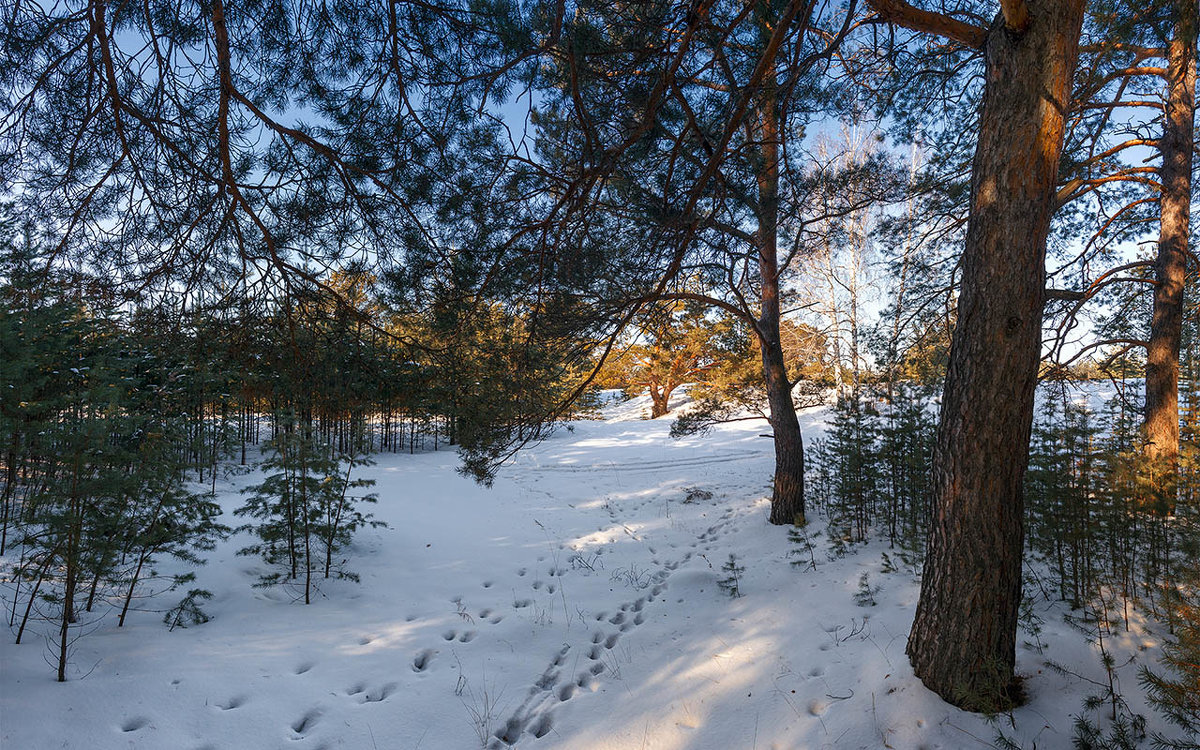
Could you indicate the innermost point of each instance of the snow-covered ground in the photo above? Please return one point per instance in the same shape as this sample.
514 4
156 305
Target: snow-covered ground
573 605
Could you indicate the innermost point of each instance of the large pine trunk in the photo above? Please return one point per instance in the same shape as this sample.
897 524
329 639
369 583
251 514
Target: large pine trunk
963 640
787 494
1166 325
658 401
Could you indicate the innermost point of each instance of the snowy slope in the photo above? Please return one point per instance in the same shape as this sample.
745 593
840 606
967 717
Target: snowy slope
573 605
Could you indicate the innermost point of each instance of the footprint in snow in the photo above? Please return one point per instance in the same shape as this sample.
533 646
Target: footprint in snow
236 701
421 660
380 694
134 724
303 668
305 723
511 731
562 656
547 681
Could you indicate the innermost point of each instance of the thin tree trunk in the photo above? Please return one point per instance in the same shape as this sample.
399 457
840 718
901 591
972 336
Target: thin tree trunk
10 489
137 574
1166 326
68 603
963 640
33 596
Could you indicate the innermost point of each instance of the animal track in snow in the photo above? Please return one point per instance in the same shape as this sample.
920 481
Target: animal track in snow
303 667
381 694
547 681
562 656
421 660
134 724
236 701
490 615
306 722
511 731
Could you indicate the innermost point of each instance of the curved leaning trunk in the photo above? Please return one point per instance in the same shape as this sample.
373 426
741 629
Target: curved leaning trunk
1166 326
963 640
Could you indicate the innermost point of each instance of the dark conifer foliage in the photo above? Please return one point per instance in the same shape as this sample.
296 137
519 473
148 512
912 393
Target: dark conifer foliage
98 449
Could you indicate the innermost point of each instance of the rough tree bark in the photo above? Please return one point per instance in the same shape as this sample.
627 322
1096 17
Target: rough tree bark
1166 326
787 494
659 397
963 640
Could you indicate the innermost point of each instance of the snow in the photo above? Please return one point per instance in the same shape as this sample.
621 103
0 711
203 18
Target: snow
573 605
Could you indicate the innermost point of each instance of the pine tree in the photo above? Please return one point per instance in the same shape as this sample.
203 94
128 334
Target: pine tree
305 508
